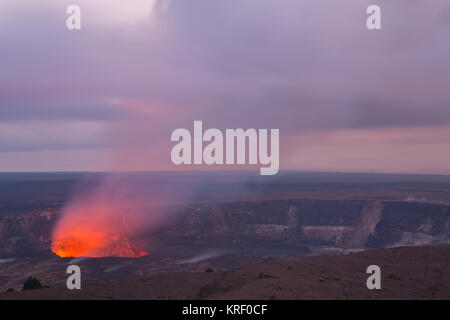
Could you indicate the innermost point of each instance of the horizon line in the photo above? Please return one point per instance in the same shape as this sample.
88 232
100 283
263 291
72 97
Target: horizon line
221 171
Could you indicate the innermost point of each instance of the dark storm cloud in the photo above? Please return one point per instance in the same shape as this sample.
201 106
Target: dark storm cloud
57 110
373 112
51 135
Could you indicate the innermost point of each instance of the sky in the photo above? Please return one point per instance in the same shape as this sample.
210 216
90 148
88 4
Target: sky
108 96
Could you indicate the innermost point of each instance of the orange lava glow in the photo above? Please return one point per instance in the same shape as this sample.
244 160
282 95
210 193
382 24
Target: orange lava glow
96 228
95 244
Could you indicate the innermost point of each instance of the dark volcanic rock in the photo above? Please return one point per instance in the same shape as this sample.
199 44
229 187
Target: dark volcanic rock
408 223
279 226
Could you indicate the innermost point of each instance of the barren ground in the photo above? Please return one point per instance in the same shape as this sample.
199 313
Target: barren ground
407 273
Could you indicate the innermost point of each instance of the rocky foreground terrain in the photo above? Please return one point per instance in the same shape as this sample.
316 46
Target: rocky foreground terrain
406 272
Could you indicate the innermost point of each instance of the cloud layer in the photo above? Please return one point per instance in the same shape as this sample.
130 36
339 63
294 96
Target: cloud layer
137 71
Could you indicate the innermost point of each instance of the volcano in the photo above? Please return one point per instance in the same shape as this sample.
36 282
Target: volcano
104 223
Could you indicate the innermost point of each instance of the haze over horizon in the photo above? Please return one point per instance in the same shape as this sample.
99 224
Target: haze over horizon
107 97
